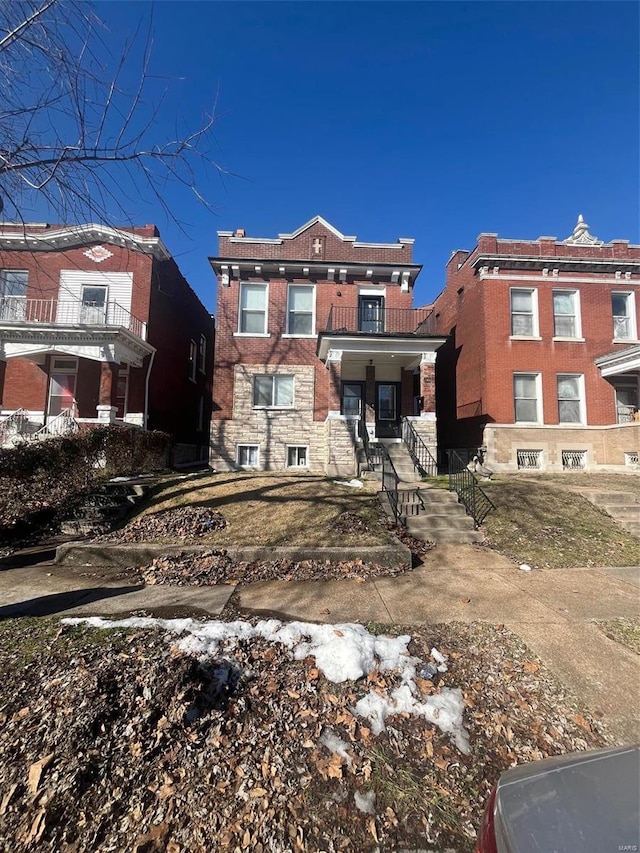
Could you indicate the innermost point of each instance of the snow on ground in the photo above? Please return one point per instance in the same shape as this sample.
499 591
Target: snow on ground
343 652
354 484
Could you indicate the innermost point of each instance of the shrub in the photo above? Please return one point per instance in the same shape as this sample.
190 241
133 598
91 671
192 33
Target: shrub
37 479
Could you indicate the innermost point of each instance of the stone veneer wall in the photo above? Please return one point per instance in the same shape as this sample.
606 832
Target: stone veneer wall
273 430
605 445
426 429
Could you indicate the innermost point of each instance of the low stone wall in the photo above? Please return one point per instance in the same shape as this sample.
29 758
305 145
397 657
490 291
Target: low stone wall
74 554
604 448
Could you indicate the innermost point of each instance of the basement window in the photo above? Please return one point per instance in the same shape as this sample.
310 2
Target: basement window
248 455
297 456
529 460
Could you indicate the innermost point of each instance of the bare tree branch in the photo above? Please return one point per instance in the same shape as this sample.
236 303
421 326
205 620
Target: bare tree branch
79 130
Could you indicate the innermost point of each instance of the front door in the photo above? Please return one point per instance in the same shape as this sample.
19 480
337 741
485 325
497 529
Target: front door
626 399
387 409
62 386
94 303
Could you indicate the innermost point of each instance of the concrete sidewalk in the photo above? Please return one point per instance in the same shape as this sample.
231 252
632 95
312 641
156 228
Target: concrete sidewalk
551 610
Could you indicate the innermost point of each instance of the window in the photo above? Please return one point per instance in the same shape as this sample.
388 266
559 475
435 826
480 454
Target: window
529 460
193 357
122 391
248 455
526 396
270 391
566 317
524 313
253 309
13 293
297 456
623 308
203 354
94 303
570 398
300 310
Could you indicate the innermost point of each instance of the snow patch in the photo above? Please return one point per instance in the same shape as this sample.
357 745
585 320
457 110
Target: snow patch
333 743
354 484
343 652
365 801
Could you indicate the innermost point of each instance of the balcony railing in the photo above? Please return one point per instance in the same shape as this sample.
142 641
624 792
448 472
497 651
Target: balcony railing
58 312
376 320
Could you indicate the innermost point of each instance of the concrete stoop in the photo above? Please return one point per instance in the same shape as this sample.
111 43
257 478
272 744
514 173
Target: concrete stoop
434 515
623 507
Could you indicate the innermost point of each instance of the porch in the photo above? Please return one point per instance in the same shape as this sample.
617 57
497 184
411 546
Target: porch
71 361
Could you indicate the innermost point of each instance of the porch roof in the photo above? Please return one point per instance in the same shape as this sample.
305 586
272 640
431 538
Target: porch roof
625 360
408 349
114 344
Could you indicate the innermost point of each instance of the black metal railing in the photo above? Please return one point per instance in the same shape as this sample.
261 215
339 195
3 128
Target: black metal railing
420 454
390 482
465 485
365 320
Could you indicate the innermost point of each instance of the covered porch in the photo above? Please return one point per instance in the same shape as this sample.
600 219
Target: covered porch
621 369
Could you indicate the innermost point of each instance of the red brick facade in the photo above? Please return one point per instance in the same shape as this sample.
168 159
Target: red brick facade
342 272
475 370
160 298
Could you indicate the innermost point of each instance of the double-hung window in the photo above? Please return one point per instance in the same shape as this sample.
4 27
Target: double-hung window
623 309
202 354
526 398
13 294
570 398
253 309
273 392
524 312
566 314
300 309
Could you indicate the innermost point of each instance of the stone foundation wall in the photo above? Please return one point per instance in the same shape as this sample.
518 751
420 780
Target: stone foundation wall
605 446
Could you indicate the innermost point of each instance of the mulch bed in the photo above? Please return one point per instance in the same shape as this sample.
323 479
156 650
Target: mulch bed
129 744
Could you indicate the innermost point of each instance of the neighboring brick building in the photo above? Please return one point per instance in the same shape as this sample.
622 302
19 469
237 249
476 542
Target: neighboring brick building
316 336
542 366
99 323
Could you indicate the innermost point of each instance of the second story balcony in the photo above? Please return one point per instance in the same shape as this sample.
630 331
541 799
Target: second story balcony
22 312
372 317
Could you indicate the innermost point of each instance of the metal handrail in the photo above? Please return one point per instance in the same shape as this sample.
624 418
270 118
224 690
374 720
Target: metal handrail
13 425
381 321
63 424
465 485
421 456
390 483
372 450
71 312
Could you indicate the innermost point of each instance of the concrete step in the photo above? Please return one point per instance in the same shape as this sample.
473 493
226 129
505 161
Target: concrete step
609 498
622 511
632 527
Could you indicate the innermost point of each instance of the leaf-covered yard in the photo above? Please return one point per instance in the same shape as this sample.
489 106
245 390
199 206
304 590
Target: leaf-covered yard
118 740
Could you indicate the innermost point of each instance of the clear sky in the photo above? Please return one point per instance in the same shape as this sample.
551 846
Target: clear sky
432 120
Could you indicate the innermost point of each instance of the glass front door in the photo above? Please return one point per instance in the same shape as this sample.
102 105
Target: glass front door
94 303
627 399
387 409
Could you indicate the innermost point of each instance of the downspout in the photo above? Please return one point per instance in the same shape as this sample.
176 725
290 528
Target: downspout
146 391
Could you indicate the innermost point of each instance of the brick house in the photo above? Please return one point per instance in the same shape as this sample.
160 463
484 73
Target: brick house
98 325
317 340
542 366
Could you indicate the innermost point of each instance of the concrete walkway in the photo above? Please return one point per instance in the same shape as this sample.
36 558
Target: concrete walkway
551 610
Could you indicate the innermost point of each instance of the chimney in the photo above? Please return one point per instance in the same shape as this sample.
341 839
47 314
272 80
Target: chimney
239 232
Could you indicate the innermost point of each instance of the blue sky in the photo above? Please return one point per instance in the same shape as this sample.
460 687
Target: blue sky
428 120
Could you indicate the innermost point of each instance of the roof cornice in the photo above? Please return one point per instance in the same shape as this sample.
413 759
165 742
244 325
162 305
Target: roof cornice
71 237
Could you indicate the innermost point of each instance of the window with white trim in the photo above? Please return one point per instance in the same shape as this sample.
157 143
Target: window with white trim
13 293
248 455
297 456
566 314
193 360
253 309
570 398
624 316
273 392
300 309
527 398
524 312
202 354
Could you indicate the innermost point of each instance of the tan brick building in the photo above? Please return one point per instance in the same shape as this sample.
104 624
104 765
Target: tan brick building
542 366
98 325
317 340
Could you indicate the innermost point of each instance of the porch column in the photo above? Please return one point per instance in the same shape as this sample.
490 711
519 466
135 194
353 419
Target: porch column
334 365
428 384
3 370
106 407
370 394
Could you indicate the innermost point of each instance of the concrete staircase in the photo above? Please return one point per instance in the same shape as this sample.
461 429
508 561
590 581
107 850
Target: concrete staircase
104 508
429 513
623 507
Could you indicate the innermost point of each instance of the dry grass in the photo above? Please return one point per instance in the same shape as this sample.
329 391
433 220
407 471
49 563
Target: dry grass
540 521
623 631
275 509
